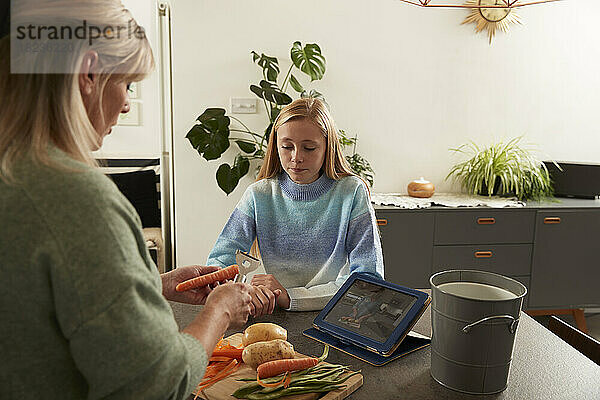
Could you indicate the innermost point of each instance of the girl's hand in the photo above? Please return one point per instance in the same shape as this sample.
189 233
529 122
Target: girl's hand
268 280
263 300
173 278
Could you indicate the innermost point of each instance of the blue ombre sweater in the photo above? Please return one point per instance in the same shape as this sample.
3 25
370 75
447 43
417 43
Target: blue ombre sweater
311 237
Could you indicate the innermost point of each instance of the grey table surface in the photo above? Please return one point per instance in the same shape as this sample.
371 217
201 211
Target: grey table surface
543 366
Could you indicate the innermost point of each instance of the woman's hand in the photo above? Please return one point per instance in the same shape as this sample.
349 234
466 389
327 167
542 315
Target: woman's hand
231 299
269 281
227 306
263 300
173 278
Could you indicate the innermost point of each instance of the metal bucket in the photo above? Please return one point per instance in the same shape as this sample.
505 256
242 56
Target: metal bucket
474 320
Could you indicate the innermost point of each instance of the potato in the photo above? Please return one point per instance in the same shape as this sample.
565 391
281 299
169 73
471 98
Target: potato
261 352
263 332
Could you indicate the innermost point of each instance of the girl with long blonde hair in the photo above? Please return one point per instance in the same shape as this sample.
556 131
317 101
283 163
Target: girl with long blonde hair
308 213
84 309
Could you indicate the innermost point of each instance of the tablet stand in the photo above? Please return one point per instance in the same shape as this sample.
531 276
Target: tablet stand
408 345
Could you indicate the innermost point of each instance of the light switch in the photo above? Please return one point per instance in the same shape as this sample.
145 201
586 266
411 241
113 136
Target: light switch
133 117
243 106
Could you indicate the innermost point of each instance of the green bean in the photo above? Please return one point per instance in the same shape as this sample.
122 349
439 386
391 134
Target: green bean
312 379
243 390
315 384
322 376
301 381
294 376
292 390
330 381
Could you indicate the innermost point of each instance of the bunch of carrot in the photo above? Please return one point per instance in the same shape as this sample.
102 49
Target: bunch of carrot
224 360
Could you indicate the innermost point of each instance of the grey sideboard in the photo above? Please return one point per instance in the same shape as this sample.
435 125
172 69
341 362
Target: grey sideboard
552 247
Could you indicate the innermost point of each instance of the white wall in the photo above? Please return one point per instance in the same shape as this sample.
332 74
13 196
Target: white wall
412 83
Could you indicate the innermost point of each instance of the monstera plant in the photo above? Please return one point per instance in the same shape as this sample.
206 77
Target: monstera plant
213 133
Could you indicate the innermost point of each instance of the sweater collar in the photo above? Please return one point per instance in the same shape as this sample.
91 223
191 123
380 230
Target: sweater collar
305 192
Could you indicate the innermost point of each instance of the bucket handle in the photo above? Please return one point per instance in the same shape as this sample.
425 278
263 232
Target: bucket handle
512 327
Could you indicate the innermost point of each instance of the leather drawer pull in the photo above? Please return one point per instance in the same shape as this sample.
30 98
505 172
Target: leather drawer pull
486 221
552 220
483 254
382 222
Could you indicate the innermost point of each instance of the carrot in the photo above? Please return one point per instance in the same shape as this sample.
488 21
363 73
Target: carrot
219 359
272 368
274 384
223 373
231 353
204 280
287 382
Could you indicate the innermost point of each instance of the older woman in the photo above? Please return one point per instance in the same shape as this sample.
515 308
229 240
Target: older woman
82 307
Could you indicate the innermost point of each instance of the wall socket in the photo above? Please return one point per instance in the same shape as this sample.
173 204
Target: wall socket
243 105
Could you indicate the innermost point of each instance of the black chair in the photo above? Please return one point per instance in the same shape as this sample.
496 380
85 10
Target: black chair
585 344
140 188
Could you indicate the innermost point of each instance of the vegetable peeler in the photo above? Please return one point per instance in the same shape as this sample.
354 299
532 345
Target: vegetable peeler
246 263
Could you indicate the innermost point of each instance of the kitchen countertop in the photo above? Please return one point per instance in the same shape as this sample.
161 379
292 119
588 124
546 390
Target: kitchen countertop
543 366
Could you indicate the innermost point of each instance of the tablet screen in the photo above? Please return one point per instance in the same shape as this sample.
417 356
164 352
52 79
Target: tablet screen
370 310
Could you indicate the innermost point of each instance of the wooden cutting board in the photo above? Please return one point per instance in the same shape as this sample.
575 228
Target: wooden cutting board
223 389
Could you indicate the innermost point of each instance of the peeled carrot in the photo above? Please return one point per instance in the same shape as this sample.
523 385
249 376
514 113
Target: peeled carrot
274 384
272 368
218 276
230 353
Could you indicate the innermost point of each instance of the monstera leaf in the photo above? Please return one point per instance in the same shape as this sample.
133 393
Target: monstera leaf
246 147
270 65
309 60
271 93
210 137
274 113
228 177
295 84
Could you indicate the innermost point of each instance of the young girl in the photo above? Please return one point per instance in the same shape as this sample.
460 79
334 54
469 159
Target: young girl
310 214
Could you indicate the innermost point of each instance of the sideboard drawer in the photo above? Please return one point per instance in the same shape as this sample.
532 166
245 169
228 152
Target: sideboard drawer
407 243
483 226
504 259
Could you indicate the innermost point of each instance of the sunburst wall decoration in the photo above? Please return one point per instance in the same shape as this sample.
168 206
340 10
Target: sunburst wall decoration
490 19
485 14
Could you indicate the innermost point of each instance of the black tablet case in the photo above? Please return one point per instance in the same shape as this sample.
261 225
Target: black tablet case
408 345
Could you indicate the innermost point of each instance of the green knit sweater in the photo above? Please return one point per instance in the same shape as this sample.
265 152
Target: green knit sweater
82 314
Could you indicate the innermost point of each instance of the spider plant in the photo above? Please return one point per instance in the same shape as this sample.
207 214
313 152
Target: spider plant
506 169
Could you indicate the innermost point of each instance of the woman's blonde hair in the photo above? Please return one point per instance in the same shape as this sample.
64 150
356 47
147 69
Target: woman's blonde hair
40 110
335 165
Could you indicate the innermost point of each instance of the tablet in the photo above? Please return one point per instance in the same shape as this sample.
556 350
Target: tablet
371 313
